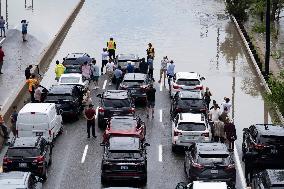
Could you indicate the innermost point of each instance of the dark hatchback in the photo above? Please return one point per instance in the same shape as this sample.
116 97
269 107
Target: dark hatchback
124 159
74 61
137 85
114 102
188 102
269 178
68 99
210 161
31 154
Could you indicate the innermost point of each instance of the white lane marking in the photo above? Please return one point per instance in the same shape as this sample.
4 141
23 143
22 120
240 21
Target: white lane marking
160 153
2 40
161 86
84 154
239 168
97 110
161 115
104 85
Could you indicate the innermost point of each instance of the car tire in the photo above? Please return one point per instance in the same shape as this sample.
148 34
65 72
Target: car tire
50 161
174 149
144 181
103 180
61 130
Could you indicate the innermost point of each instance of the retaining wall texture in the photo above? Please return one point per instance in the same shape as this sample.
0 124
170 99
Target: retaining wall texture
44 60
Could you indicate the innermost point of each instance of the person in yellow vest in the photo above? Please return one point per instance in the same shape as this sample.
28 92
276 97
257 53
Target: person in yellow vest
150 51
59 70
32 83
111 47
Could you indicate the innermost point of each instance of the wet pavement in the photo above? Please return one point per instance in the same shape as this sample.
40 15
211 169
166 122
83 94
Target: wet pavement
199 37
41 30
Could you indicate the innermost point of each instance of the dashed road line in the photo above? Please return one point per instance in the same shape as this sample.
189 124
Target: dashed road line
160 153
239 168
2 40
161 86
84 154
161 115
104 85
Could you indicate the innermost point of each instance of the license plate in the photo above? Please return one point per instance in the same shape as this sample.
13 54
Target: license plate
214 171
273 151
124 167
39 133
23 165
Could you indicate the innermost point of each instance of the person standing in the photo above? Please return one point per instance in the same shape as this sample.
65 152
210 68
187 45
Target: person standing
28 72
151 67
130 67
24 29
4 128
171 71
219 134
105 55
2 26
111 46
95 73
150 51
214 115
32 82
109 70
118 76
86 71
230 133
90 114
37 94
59 70
214 104
207 97
1 59
151 93
13 119
143 66
226 105
163 70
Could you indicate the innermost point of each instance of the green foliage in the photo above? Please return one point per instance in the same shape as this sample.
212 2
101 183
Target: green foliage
238 8
259 28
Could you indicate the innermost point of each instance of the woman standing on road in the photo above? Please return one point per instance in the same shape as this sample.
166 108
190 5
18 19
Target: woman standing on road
24 29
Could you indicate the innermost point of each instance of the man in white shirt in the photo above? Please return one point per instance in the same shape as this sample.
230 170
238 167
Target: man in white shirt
109 70
163 70
214 113
104 59
226 104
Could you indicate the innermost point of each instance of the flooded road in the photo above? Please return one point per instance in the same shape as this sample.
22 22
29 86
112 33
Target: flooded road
198 36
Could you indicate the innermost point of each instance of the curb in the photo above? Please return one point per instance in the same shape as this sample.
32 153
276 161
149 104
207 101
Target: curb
44 60
263 81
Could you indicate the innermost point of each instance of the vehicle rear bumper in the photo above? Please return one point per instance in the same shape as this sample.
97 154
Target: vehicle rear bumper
124 176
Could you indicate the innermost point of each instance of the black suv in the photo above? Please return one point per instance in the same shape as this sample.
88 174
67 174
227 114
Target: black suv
188 102
137 84
270 178
31 154
263 147
210 161
123 59
68 98
124 158
114 102
74 61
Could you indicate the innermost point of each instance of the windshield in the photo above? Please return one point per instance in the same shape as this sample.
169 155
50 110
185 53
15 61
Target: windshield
191 127
188 82
124 155
69 79
53 98
133 82
23 152
271 140
122 124
117 103
213 158
191 102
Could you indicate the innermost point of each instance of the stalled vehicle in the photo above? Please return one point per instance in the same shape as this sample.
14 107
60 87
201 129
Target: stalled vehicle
39 119
74 61
123 59
73 79
269 178
31 154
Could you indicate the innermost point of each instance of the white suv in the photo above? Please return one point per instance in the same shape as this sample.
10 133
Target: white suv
186 81
202 185
189 128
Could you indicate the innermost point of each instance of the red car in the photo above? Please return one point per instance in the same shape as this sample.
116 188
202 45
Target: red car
124 125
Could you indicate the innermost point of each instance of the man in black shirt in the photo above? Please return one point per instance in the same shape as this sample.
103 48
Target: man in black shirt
150 100
143 66
28 71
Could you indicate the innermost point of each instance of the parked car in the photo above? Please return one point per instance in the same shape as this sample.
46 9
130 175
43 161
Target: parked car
189 128
124 159
188 101
73 79
68 98
269 178
74 61
123 59
114 102
125 125
210 162
263 146
31 154
19 180
137 84
202 185
186 81
39 119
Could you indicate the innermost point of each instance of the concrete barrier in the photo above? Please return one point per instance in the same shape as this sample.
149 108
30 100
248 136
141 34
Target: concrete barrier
45 58
255 64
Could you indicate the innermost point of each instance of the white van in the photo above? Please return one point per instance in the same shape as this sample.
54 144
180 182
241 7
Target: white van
39 119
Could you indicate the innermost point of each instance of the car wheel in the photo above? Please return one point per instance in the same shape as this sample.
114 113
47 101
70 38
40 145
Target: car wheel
144 181
103 180
50 160
174 149
61 130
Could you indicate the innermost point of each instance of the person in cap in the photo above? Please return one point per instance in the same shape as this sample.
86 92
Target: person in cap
151 93
90 114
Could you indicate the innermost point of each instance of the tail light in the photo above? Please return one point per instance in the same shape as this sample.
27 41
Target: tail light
49 132
259 146
6 160
101 110
205 134
177 133
176 87
39 160
199 88
132 110
230 167
197 165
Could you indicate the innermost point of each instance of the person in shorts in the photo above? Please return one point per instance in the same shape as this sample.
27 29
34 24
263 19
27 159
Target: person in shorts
151 100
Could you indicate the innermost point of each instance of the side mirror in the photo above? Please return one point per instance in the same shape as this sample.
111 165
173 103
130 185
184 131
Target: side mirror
99 95
202 78
147 144
181 185
102 144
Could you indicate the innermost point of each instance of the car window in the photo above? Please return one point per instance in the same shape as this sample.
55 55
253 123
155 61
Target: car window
213 159
57 97
123 155
191 127
266 139
133 82
70 80
190 102
23 152
117 103
188 82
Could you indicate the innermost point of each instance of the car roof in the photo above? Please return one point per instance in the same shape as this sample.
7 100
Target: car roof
71 75
36 107
276 176
192 117
134 76
13 179
25 142
75 55
212 148
127 56
123 143
211 185
116 94
61 89
190 94
270 129
187 75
